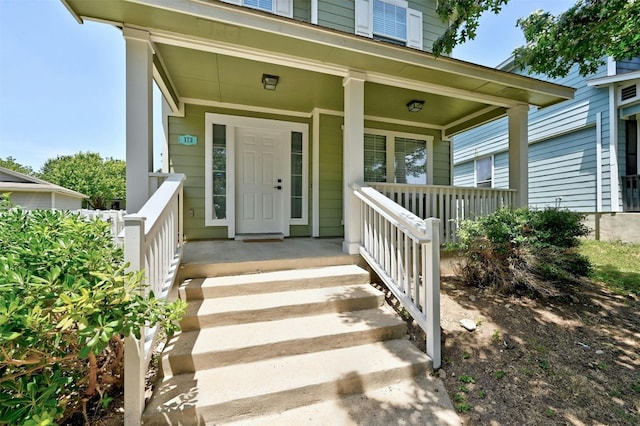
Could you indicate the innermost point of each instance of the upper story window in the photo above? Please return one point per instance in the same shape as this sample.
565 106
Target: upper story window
389 20
279 7
260 4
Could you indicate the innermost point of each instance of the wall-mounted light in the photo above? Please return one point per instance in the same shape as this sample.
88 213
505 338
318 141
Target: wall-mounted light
269 82
415 105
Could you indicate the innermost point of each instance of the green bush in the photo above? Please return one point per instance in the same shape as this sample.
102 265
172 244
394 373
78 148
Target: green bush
65 305
523 250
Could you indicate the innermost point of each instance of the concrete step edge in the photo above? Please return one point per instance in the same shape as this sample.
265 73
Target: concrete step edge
279 305
257 388
232 285
233 344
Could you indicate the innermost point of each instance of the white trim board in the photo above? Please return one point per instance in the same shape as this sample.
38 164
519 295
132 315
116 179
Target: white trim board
232 122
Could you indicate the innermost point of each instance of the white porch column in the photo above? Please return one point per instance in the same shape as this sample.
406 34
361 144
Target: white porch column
353 157
139 76
519 153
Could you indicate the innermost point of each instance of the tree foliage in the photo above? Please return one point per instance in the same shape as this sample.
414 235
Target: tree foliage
583 35
11 164
88 173
463 17
65 304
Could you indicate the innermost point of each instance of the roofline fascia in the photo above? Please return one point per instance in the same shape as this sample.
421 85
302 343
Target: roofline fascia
613 79
249 18
72 12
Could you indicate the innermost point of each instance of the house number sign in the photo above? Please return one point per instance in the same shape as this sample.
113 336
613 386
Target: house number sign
187 140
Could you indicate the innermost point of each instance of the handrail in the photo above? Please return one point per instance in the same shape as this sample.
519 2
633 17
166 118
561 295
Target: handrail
404 251
153 244
451 204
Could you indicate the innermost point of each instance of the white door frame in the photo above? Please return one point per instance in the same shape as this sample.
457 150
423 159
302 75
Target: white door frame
232 122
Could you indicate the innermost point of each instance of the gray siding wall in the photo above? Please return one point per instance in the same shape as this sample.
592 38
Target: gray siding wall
64 202
31 200
562 151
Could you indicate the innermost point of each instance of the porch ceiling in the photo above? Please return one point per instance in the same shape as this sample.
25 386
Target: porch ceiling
215 52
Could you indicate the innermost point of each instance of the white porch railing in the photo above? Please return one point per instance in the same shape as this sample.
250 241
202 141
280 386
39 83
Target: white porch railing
404 251
450 204
153 244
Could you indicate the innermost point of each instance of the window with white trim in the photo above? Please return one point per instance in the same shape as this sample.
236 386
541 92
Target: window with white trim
397 158
279 7
389 20
484 172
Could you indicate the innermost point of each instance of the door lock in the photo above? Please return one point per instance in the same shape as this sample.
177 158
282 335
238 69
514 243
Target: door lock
279 187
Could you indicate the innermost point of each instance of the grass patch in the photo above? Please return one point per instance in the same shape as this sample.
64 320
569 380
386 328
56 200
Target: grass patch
615 263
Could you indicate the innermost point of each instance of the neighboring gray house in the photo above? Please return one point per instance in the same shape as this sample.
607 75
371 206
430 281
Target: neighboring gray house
583 153
31 193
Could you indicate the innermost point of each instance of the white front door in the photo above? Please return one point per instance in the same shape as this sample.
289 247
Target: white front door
260 180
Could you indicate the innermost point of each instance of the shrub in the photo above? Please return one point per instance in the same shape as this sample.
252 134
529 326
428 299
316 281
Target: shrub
65 304
523 250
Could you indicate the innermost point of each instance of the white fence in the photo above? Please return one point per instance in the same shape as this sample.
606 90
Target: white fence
153 243
404 251
114 217
450 204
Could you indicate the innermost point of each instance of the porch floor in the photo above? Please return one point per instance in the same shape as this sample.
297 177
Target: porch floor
227 257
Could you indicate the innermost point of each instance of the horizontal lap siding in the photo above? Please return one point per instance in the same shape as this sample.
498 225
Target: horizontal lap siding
463 174
189 160
330 190
64 202
31 200
501 170
562 148
302 10
441 162
564 168
337 14
628 65
432 25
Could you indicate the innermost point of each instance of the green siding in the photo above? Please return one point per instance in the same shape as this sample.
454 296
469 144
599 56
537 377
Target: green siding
190 161
337 14
340 15
432 25
441 162
330 160
302 10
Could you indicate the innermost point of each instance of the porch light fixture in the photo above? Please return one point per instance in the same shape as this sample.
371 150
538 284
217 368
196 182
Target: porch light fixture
269 82
415 105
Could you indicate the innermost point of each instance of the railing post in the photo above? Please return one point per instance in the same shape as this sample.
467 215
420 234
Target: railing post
134 357
431 277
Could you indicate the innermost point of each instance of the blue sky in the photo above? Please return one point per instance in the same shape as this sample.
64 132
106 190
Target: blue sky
62 83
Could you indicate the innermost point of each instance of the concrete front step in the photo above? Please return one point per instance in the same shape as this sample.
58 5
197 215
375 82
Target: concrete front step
422 400
274 306
267 282
231 344
258 388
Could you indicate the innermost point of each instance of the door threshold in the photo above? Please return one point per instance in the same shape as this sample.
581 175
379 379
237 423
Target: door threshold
260 238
